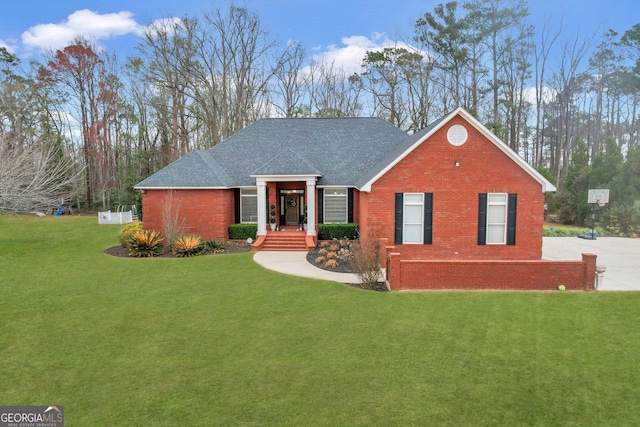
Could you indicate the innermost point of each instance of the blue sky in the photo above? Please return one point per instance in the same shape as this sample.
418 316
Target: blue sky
340 30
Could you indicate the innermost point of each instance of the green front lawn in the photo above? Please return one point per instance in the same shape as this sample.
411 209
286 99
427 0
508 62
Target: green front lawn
218 340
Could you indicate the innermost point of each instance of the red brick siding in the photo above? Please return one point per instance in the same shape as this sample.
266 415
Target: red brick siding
483 169
508 275
205 212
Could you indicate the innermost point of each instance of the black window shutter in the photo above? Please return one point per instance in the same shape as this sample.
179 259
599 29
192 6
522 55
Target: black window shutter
482 219
399 220
350 205
428 218
236 203
267 210
511 219
320 205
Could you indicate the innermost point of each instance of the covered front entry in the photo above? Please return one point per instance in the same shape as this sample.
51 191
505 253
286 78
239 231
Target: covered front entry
291 199
292 206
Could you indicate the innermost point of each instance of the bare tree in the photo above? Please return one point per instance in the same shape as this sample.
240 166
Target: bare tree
290 81
35 178
331 92
215 71
541 53
565 82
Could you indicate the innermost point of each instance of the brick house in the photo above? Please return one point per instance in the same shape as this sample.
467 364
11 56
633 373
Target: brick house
452 191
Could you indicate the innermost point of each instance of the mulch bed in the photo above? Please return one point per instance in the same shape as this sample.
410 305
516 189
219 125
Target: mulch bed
343 267
231 247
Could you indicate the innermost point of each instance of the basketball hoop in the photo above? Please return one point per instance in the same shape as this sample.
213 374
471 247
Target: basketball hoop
598 196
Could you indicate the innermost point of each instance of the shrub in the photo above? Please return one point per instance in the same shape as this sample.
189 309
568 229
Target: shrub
334 247
214 246
243 231
569 231
337 231
345 253
332 255
145 243
322 251
127 230
365 259
173 224
187 245
331 264
320 260
324 244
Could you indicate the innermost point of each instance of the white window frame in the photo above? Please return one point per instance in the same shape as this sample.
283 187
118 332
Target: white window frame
492 223
335 197
242 197
406 203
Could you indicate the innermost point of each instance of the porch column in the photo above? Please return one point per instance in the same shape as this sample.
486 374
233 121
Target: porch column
262 207
311 207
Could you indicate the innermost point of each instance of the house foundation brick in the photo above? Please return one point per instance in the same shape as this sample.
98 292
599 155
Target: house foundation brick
203 212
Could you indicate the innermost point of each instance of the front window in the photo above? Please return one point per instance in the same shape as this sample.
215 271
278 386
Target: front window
249 205
335 206
413 218
496 218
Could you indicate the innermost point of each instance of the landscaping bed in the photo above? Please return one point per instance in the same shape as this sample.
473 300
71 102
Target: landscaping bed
230 247
342 260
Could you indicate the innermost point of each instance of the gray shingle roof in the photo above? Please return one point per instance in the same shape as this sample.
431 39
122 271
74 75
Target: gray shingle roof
194 170
342 151
287 162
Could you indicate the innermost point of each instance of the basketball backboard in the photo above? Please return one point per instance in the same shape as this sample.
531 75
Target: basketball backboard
598 195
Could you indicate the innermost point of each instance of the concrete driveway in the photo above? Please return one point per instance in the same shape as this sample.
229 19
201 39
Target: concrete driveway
621 257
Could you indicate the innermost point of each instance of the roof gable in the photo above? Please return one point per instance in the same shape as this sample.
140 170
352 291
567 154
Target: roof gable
415 140
287 162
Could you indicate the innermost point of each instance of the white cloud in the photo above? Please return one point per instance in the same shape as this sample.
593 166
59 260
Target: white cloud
83 22
350 54
8 45
168 25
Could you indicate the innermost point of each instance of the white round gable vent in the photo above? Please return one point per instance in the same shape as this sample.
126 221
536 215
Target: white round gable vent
457 135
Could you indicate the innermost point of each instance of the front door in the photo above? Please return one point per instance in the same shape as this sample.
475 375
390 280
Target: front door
292 209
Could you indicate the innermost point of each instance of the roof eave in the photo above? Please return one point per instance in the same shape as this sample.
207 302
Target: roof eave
145 187
281 178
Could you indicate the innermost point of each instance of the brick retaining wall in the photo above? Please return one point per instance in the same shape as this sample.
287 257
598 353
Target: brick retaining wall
475 274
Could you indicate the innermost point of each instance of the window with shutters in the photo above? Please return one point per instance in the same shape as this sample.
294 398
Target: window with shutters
413 218
496 218
249 205
335 206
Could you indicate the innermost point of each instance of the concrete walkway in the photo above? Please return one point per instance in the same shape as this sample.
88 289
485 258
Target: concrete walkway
295 263
621 257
